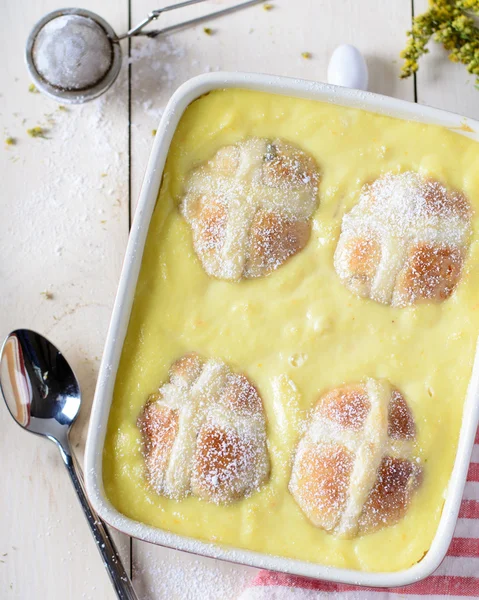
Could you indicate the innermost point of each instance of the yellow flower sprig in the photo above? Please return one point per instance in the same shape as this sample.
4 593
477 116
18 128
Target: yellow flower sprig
451 23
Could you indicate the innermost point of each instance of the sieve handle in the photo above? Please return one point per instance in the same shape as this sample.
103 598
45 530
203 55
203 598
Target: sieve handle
156 13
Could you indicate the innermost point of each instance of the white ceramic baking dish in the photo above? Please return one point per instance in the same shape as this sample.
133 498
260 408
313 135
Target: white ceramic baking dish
186 94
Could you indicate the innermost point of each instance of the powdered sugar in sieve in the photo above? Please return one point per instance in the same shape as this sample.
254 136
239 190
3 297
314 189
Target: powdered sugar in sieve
72 52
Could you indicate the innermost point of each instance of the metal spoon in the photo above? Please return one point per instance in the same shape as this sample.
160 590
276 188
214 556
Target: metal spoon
43 396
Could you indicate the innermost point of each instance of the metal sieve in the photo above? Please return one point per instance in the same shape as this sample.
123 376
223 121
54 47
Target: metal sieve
73 55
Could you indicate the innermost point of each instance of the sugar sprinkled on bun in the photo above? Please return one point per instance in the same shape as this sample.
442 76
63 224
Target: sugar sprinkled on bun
405 241
249 207
204 433
354 471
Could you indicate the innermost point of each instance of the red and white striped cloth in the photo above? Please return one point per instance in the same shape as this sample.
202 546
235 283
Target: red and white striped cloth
457 576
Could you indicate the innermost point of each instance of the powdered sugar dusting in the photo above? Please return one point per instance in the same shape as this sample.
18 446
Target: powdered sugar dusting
156 68
204 434
354 470
347 407
249 207
72 52
405 241
176 575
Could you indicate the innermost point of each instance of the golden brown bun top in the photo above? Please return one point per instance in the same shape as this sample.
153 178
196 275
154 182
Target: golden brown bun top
354 470
204 433
249 207
405 241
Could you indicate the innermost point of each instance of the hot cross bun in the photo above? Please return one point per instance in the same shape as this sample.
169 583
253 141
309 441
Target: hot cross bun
405 241
204 433
354 471
249 207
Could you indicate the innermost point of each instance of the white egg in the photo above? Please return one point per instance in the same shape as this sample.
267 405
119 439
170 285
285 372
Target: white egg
348 68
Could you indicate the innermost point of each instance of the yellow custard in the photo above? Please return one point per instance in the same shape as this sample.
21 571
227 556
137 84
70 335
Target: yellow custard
299 331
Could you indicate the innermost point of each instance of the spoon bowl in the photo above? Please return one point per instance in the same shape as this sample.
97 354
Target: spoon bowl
39 386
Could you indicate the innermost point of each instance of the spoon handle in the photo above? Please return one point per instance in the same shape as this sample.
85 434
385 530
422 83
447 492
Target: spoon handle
111 559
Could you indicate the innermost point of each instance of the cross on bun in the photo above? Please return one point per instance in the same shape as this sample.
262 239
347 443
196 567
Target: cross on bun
204 433
249 207
354 470
405 241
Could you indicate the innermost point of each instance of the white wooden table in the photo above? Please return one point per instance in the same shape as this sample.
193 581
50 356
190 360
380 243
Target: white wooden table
65 210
